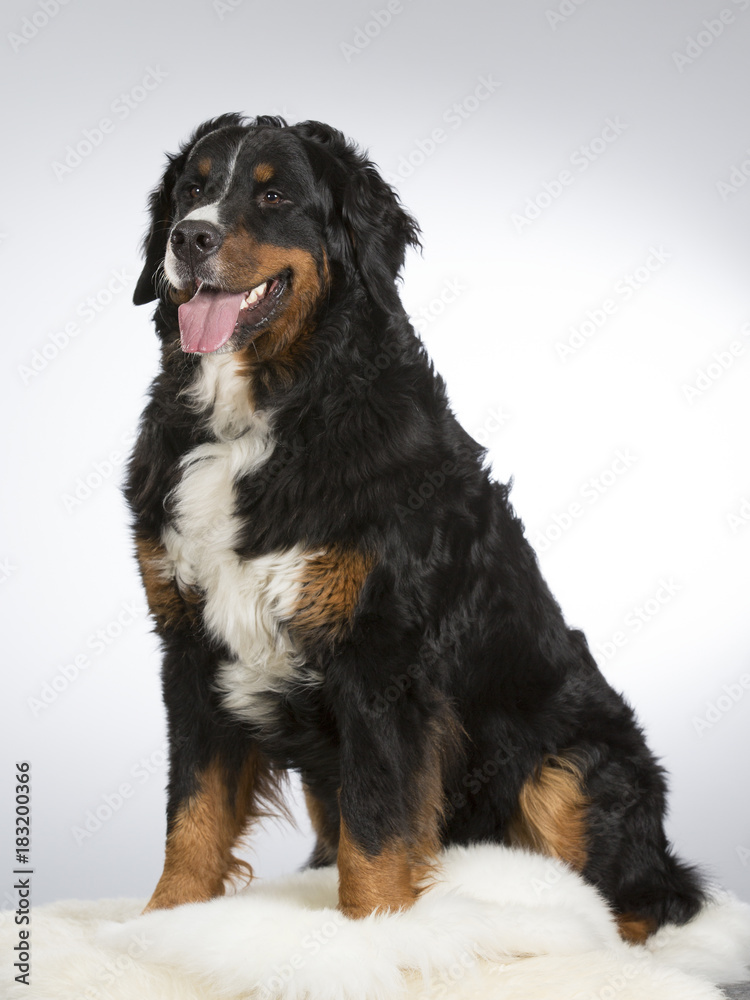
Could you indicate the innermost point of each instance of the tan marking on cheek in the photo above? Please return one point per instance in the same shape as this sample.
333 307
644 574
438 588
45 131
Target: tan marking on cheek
169 606
551 816
263 173
180 295
242 264
207 827
330 590
204 166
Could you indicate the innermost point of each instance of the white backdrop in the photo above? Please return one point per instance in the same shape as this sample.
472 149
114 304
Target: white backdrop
579 170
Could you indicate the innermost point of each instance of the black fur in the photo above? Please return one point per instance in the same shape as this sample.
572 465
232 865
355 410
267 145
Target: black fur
455 630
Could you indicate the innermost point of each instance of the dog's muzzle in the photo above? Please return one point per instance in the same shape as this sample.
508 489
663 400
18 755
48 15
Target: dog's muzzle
193 241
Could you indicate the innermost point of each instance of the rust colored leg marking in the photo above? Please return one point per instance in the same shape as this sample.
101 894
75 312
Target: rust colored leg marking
383 881
635 929
206 829
551 817
169 606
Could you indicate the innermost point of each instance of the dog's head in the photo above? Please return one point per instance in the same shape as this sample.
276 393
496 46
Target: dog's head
253 221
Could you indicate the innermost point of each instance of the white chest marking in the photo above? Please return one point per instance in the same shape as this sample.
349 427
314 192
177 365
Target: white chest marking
247 601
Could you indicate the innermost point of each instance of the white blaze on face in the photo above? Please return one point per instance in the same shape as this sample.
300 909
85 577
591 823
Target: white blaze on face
204 213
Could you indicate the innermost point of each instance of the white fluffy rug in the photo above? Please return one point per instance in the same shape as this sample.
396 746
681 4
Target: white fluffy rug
500 923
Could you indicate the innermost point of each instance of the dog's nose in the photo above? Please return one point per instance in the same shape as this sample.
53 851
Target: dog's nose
194 240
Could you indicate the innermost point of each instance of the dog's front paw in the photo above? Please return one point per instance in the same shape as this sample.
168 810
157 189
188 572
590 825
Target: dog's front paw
172 891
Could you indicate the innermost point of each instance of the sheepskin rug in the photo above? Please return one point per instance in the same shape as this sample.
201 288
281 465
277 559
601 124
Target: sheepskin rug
499 923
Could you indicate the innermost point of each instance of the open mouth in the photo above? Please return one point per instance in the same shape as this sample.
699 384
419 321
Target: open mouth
213 319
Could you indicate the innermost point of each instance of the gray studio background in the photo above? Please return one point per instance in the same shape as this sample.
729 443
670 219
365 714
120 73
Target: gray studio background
579 170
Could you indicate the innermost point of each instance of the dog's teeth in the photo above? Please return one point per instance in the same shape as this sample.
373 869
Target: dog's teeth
252 297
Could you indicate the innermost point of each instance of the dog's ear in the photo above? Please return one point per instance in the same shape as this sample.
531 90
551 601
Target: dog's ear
374 228
380 230
160 209
155 240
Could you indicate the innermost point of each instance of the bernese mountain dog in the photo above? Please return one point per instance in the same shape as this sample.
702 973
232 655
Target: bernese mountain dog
339 587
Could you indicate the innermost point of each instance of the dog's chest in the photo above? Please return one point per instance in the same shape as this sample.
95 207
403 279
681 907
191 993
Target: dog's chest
247 603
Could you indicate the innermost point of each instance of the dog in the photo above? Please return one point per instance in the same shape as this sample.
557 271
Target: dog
339 587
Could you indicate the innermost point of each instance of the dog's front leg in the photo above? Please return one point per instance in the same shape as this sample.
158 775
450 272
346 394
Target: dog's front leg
393 757
203 827
218 781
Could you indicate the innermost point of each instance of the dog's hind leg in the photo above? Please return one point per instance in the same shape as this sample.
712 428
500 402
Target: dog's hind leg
629 858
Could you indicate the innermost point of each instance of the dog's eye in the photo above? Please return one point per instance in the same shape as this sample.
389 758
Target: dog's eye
272 197
194 191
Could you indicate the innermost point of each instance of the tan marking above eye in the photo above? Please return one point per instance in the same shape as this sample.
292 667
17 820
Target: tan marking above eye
263 173
204 166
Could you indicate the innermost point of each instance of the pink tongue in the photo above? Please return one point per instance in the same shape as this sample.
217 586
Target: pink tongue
208 320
